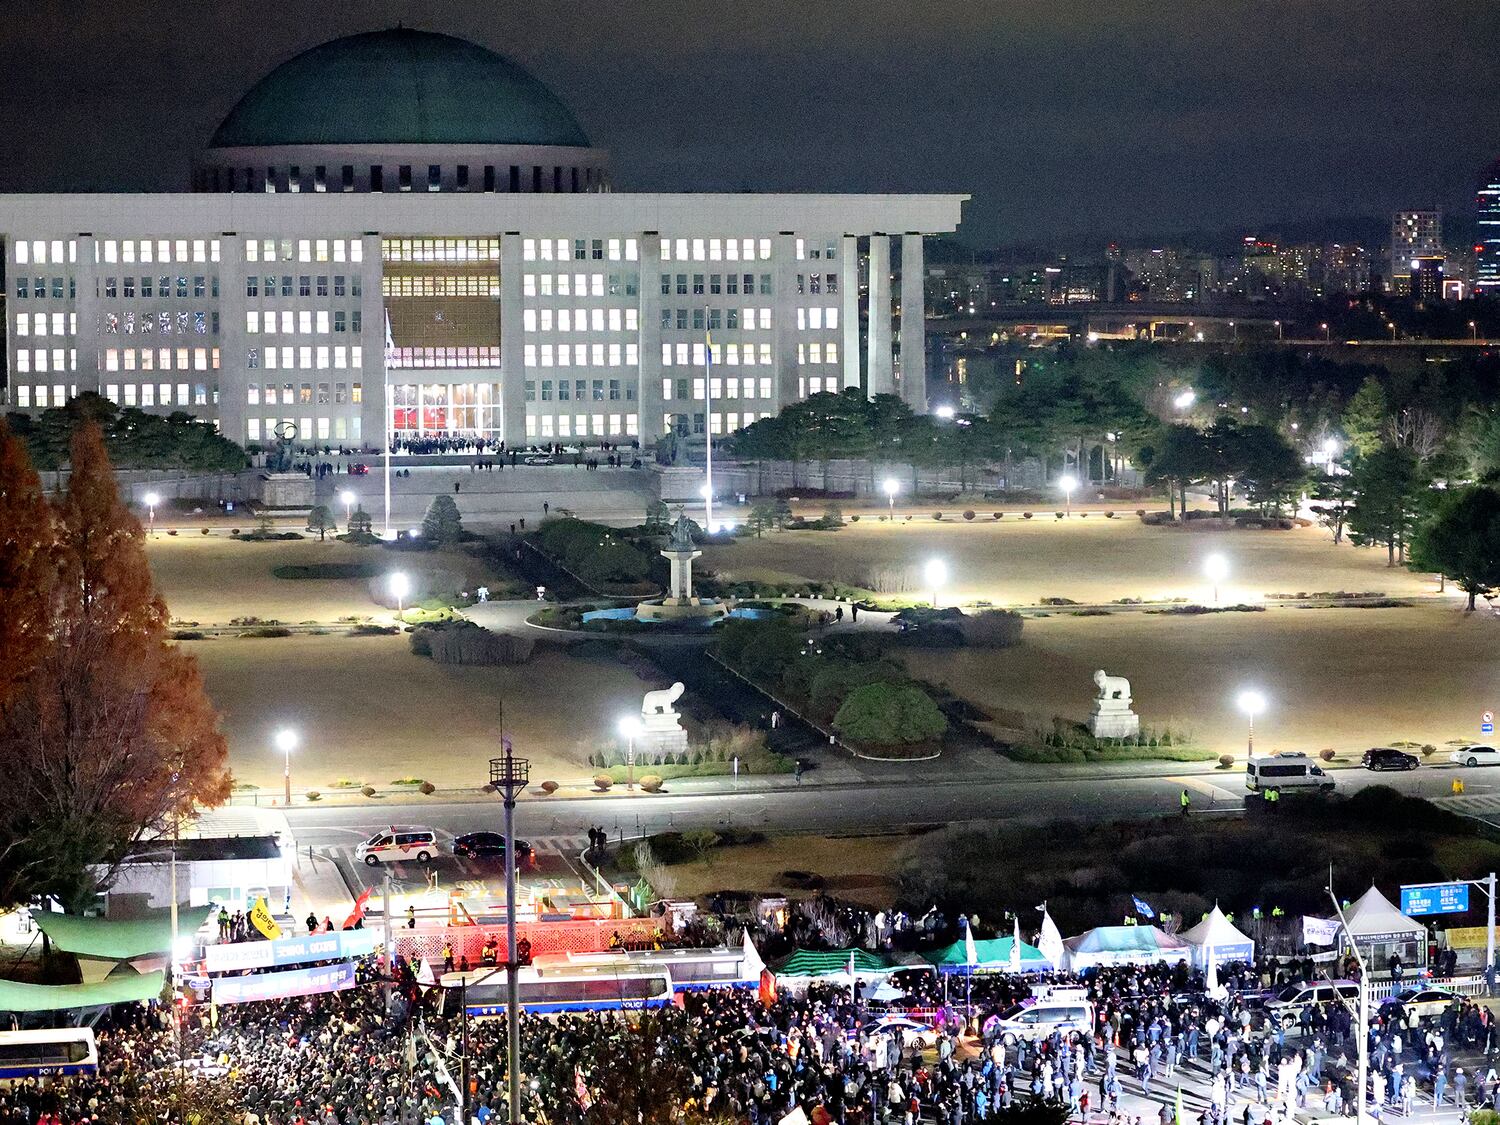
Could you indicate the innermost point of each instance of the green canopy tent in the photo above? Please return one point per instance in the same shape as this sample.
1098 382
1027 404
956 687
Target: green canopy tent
18 997
990 956
807 964
119 940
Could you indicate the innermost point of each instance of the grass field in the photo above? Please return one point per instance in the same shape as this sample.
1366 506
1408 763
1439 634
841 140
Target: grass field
368 710
856 869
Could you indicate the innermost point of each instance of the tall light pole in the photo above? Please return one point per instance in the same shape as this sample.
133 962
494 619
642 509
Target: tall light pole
891 488
630 729
286 742
1217 569
508 776
1473 331
1361 1116
1324 327
1278 331
1184 399
936 573
152 500
1069 482
1252 703
400 586
1234 333
1330 451
348 498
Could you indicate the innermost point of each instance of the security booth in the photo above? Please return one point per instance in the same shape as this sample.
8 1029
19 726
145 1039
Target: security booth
1380 931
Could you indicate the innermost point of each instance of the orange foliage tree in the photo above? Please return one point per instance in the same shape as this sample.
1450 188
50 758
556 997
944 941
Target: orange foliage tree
106 733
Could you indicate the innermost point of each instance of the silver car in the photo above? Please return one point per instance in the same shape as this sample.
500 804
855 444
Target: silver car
1477 754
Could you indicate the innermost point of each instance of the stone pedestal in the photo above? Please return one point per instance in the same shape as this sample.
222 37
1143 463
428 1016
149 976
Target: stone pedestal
661 735
293 491
1112 716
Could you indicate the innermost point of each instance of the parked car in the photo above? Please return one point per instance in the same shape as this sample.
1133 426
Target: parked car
1286 772
488 845
359 469
539 459
912 1033
1389 758
398 842
1424 1003
1288 1004
1035 1020
1476 755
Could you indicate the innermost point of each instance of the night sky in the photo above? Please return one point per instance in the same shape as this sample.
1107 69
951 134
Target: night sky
1065 119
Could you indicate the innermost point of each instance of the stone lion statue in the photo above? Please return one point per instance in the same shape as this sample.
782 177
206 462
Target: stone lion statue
1114 688
660 702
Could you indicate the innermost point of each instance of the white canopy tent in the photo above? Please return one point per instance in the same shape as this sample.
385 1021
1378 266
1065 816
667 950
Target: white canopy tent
1216 938
1381 931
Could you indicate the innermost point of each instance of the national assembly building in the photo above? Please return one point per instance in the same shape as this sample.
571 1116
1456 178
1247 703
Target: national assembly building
404 233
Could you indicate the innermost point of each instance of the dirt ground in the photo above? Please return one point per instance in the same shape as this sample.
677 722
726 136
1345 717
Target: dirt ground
370 711
856 869
213 579
1018 562
1342 678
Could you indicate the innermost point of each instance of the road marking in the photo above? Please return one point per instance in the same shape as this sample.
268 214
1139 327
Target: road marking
1207 788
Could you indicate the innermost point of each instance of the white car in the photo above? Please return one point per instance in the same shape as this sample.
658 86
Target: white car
1424 1003
1476 755
913 1033
396 843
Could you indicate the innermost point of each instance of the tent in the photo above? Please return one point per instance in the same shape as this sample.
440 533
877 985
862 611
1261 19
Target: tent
1381 932
18 997
811 964
1217 938
119 940
1124 945
992 956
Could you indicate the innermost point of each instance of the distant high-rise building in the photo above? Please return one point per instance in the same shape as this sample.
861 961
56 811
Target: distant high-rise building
1426 278
1414 234
1487 238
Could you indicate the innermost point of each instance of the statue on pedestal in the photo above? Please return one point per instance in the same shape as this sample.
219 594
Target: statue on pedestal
661 725
1112 716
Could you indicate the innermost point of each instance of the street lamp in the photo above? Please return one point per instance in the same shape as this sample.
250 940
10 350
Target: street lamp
891 488
348 498
1473 331
1217 569
508 776
1330 451
936 573
1234 333
400 587
286 742
1324 327
630 728
1184 399
1069 482
152 500
1252 703
945 411
1278 330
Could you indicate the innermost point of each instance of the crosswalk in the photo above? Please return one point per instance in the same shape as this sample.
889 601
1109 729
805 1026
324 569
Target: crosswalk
1475 804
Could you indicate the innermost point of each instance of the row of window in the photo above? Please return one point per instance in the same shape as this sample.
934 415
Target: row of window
38 251
43 396
730 283
440 249
290 393
38 288
818 283
158 394
811 248
46 359
582 355
323 429
125 287
817 353
305 358
715 250
161 359
731 387
307 285
440 285
816 318
305 321
480 356
304 250
581 425
579 285
733 354
185 321
162 250
36 324
721 423
579 249
372 177
683 319
580 320
579 390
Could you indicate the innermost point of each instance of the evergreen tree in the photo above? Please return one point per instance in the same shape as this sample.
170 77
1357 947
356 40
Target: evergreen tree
320 519
360 523
1461 540
442 524
1389 490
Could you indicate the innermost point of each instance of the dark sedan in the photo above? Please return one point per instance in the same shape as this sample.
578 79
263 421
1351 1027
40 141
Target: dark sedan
489 845
1389 758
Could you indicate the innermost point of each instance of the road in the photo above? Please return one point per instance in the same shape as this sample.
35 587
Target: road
1035 796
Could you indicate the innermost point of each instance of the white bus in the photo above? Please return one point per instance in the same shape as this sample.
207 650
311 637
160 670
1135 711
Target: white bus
1284 772
47 1053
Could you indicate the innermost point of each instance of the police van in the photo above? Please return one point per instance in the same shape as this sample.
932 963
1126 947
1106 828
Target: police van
1284 772
1055 1009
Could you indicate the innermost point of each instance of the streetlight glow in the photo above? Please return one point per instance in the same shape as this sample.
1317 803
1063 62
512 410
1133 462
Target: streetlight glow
936 573
400 586
152 500
1217 568
1185 399
944 411
631 728
1068 482
286 742
1252 702
348 498
891 488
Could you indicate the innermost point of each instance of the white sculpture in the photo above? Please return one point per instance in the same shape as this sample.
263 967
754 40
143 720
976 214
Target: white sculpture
1112 716
660 702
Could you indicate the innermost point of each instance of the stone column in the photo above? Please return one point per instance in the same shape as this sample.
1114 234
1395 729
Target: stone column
375 406
234 377
913 324
784 319
849 310
512 342
880 377
90 335
650 406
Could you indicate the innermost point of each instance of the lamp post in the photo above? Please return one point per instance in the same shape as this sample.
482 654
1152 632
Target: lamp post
1217 569
1278 331
1069 482
286 742
152 500
1324 327
1252 703
400 587
1473 331
348 498
1330 451
630 729
936 573
1185 398
1234 333
508 776
1361 1116
891 488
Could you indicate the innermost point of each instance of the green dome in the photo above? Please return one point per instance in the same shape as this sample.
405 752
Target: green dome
399 87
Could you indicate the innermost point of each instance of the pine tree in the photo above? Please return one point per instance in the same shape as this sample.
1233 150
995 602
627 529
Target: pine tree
320 519
442 524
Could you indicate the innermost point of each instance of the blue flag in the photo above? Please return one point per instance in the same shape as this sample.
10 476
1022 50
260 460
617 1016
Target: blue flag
1142 907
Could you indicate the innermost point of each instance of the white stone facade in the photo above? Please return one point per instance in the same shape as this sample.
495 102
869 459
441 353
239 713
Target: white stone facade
523 318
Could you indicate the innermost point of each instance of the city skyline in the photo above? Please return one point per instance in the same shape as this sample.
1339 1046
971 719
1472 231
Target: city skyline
1128 125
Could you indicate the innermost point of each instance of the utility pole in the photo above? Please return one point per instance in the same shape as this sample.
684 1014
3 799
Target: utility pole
508 776
1361 1114
390 938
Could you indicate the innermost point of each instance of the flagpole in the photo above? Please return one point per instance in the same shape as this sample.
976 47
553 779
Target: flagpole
708 426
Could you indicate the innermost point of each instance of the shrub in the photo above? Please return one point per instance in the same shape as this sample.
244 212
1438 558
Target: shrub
313 795
886 714
602 782
854 519
1326 753
234 531
992 628
368 790
551 787
268 631
187 635
368 630
968 513
442 523
171 531
1059 515
1428 750
203 531
1225 761
1141 512
937 515
1025 515
651 783
997 515
463 642
1109 515
427 789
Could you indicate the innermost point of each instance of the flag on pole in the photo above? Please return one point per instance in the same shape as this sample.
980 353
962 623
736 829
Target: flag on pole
1179 1106
424 972
1015 948
767 989
1211 981
260 918
359 909
971 955
851 968
1050 942
1142 907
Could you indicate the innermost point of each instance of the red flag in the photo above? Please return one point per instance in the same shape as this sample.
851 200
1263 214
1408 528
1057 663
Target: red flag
767 988
359 909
